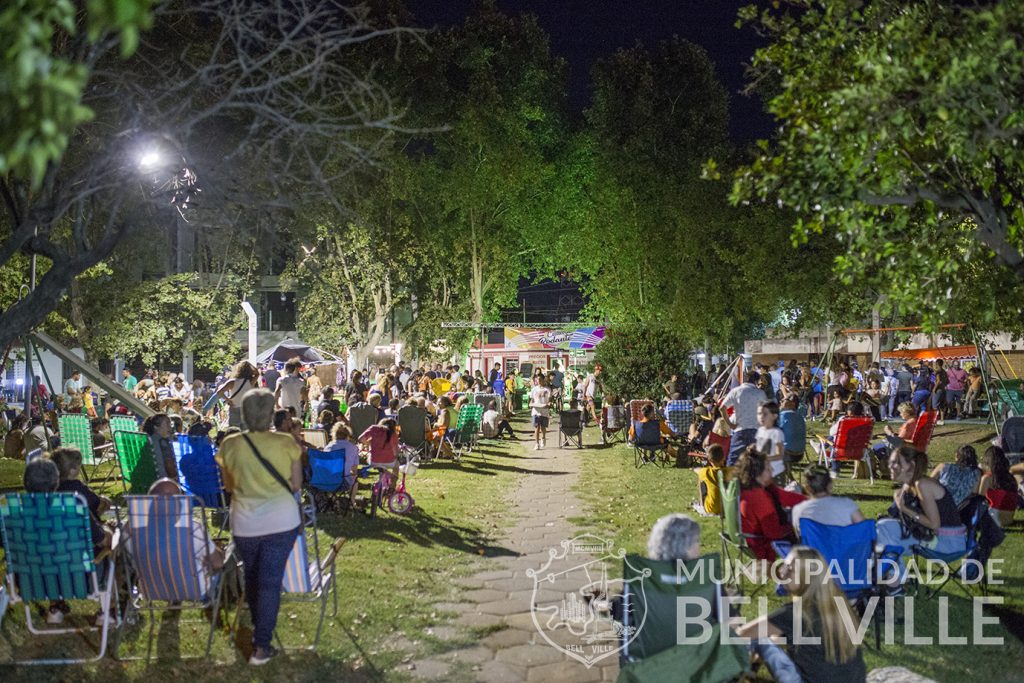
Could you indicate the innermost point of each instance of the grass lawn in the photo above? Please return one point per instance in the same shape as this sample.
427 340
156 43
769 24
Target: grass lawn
622 503
392 573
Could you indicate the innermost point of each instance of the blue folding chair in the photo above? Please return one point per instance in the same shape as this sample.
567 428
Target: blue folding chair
851 551
199 472
169 546
330 474
50 556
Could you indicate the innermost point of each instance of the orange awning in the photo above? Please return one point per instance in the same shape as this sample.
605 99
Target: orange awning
947 352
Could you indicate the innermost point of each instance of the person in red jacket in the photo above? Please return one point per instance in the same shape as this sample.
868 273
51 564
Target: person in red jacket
764 507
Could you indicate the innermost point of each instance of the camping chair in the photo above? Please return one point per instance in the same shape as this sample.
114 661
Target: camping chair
570 428
614 425
199 471
850 444
636 408
852 550
330 479
76 430
169 543
361 418
654 594
135 456
317 438
923 429
49 556
955 563
648 447
123 423
412 423
734 541
1012 439
467 429
307 576
484 400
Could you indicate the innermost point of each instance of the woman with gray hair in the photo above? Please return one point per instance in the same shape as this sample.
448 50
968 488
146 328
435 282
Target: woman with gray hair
674 537
262 470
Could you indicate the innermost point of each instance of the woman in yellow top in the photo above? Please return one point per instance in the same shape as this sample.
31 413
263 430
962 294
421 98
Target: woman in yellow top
262 470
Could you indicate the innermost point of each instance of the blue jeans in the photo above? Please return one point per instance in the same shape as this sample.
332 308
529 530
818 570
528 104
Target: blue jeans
263 560
777 660
741 438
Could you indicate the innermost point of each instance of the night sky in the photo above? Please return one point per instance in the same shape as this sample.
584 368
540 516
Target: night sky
583 31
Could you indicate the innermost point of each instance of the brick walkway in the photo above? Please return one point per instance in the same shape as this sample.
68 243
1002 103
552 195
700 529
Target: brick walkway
499 598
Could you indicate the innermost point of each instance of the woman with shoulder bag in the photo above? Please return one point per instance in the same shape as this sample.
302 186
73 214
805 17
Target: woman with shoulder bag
923 511
263 471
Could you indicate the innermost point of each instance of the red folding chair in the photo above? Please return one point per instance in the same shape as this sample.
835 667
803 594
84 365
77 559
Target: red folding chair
923 429
850 443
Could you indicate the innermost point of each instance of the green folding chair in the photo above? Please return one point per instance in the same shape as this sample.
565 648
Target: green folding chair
734 541
135 456
123 423
49 554
76 430
467 429
654 595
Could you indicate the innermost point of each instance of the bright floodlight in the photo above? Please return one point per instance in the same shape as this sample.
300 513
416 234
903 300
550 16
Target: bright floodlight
149 160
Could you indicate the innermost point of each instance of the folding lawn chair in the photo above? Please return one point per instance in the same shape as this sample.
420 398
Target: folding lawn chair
49 557
570 428
412 425
851 549
678 416
923 430
466 434
1012 439
734 542
361 417
169 543
317 438
330 478
199 472
654 596
850 444
76 430
614 425
135 456
636 408
955 563
123 423
308 577
648 447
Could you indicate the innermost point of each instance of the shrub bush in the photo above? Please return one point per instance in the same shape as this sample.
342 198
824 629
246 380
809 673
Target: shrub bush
637 361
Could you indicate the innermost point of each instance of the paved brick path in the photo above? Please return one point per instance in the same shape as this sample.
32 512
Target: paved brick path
499 597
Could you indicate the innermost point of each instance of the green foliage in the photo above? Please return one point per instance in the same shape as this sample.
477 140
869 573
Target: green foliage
42 88
899 129
156 320
638 360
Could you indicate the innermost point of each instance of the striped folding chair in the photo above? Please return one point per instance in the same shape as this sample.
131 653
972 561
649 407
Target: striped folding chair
317 438
50 557
308 577
636 408
170 544
199 472
135 456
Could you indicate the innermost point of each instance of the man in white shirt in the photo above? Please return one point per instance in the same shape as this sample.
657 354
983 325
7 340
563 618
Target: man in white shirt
589 391
540 401
744 401
289 388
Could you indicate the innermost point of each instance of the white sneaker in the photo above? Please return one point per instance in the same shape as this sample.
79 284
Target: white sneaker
544 444
536 446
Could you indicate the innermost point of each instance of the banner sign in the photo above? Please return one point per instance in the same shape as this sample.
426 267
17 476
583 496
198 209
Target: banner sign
527 339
